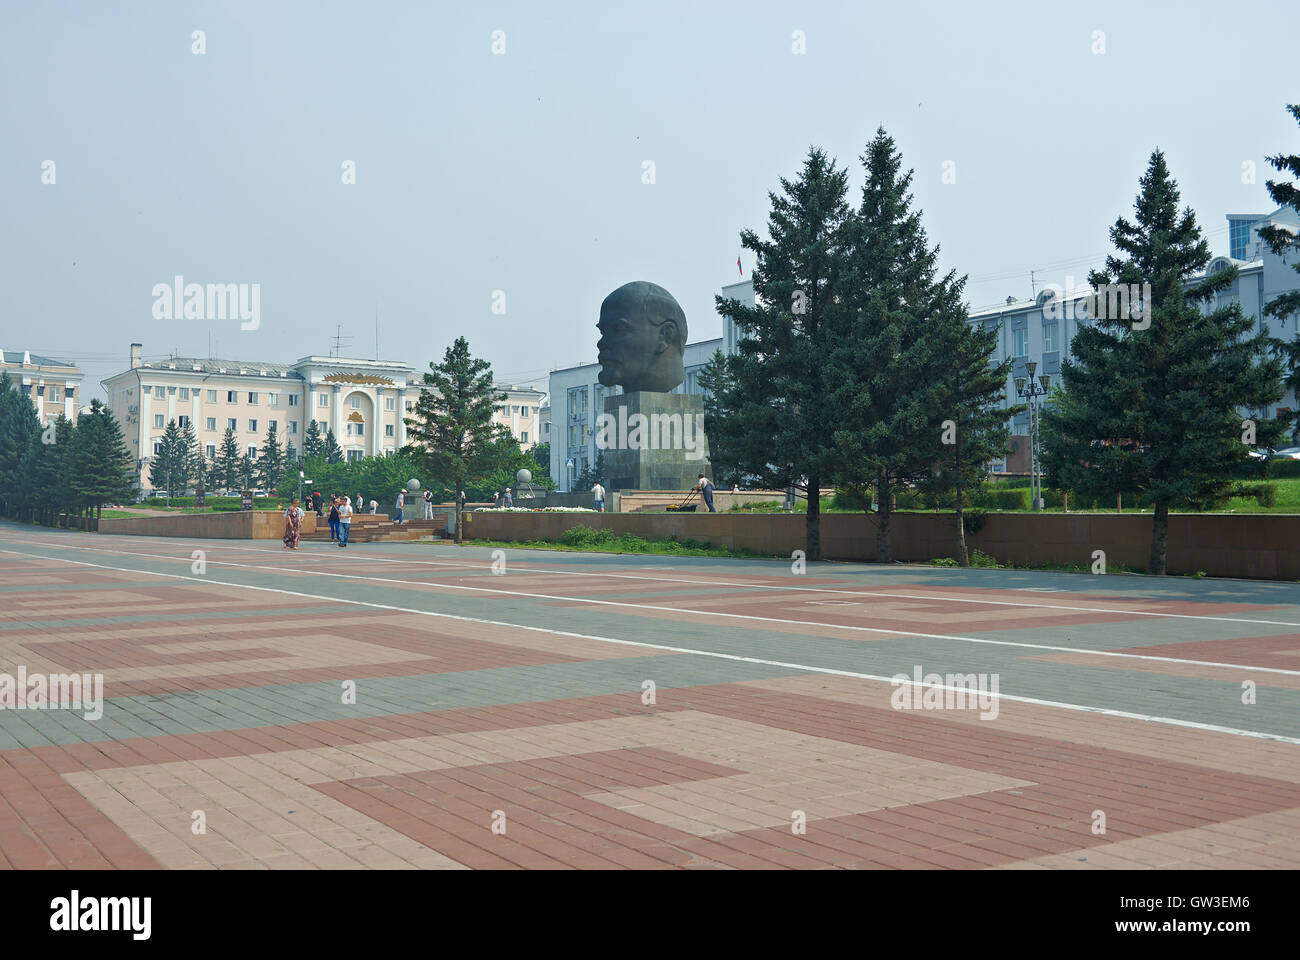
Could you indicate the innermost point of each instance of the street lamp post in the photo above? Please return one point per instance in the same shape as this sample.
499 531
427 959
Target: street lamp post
1031 390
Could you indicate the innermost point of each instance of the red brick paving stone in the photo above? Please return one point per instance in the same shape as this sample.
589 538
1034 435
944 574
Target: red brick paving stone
544 819
550 812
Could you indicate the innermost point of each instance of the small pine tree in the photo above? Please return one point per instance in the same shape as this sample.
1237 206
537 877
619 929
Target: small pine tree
271 461
451 427
333 453
226 466
102 468
169 466
313 447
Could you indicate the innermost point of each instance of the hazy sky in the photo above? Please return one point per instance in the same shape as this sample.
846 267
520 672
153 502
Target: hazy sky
522 172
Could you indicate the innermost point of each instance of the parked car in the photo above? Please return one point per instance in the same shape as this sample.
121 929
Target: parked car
1287 453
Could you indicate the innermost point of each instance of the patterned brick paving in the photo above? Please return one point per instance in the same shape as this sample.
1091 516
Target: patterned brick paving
401 706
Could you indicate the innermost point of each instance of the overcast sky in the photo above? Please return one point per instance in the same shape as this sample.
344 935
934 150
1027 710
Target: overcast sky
523 172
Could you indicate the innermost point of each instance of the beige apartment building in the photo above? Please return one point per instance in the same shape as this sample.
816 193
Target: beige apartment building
521 412
53 386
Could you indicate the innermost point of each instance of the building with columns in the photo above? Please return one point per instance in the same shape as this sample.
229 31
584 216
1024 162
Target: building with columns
53 386
363 401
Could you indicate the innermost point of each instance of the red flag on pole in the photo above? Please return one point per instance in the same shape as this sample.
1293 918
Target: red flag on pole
739 267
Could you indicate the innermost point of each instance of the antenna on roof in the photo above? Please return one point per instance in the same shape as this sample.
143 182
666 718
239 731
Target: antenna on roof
340 341
376 331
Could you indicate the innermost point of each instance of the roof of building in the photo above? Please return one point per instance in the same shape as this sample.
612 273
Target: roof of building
16 356
216 365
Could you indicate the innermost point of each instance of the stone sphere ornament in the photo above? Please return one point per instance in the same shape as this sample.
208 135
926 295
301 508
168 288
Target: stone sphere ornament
413 484
524 476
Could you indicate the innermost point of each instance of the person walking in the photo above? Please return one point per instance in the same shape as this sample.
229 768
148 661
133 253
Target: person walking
345 522
508 502
705 486
334 519
292 525
598 493
374 507
428 505
401 502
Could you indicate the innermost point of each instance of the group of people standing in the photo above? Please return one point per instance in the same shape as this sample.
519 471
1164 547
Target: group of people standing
340 517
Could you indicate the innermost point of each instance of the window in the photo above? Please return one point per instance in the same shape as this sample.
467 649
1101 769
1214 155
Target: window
275 425
232 396
212 396
293 426
390 403
1049 337
54 393
1018 349
293 400
231 424
356 429
252 426
252 452
157 447
183 422
157 421
523 436
273 399
211 451
388 429
322 399
355 401
185 393
212 423
354 455
146 389
252 397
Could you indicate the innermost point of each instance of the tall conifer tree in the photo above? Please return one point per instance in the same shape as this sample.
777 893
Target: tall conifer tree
1154 397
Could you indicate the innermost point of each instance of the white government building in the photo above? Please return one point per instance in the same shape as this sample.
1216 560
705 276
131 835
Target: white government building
363 401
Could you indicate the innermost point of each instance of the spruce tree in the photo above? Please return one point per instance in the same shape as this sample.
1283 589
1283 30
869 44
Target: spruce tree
778 424
102 469
895 323
19 428
191 456
716 383
271 461
313 447
332 452
975 431
169 467
225 467
1153 399
1283 242
451 428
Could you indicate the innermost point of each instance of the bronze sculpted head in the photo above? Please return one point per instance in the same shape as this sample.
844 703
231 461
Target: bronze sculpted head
642 335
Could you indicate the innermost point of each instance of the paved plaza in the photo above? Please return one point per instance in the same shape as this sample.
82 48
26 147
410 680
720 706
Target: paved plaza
433 706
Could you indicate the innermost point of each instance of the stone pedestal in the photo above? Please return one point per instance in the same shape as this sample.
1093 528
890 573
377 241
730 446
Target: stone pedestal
653 441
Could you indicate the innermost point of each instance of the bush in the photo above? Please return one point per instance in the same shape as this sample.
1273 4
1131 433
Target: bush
847 499
1266 494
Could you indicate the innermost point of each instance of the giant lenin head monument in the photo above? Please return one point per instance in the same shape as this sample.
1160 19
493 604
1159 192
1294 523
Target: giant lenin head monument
651 438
